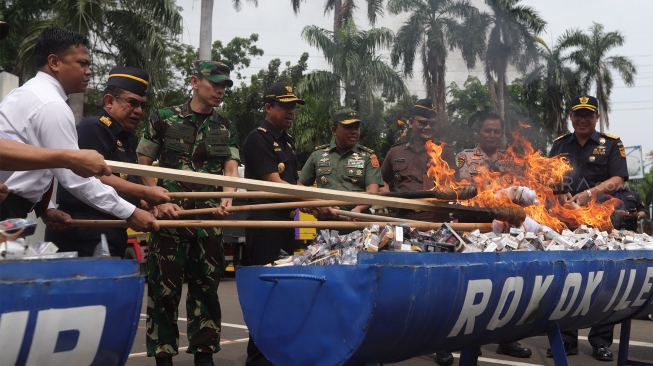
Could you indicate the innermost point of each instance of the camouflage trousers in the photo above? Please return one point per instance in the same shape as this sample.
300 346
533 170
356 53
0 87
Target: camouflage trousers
201 261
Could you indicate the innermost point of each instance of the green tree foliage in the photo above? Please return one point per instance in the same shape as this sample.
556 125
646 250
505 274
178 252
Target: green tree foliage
433 28
353 54
551 84
465 106
237 54
594 64
511 41
392 131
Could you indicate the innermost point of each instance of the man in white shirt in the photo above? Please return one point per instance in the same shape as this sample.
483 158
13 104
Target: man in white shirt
37 114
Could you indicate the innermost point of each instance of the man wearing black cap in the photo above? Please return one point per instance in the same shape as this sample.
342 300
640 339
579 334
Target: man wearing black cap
270 156
111 134
192 137
344 164
599 163
37 114
406 164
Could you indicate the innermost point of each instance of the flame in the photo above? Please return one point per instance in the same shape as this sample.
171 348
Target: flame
400 122
533 170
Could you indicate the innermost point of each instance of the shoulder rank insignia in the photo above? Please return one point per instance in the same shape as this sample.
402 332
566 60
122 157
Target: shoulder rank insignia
106 120
367 149
559 137
289 135
262 129
611 136
321 147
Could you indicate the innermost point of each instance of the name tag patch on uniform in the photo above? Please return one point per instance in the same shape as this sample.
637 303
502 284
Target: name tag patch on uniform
217 137
400 160
324 163
181 132
352 163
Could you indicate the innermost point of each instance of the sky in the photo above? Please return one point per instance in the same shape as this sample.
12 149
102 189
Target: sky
279 33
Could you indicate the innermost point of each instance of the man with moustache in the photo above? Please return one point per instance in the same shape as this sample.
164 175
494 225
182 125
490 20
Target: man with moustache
111 134
270 156
37 114
192 137
344 164
406 164
599 162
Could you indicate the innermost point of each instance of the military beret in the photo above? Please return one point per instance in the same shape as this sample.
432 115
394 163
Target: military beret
345 116
4 29
213 70
584 102
424 108
130 79
281 92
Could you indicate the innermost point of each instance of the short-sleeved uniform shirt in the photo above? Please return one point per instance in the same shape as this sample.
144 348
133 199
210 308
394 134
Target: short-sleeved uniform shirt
103 134
471 161
631 201
601 158
406 166
181 139
267 150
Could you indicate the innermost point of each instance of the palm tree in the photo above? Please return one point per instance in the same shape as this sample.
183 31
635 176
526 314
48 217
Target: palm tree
343 10
352 53
594 65
124 32
511 41
312 124
433 28
206 26
551 83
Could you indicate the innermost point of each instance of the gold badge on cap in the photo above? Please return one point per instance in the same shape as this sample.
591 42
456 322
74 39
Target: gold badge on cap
592 158
289 88
282 168
584 100
602 141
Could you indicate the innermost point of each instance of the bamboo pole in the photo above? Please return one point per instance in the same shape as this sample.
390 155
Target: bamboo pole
338 225
368 217
210 195
266 206
447 195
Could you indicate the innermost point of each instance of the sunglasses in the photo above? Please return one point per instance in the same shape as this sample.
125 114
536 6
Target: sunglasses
587 117
134 103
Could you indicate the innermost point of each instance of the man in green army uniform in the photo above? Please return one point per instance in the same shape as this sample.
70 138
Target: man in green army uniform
192 137
344 164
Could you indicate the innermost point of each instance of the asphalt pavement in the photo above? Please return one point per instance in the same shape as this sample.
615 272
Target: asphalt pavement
235 336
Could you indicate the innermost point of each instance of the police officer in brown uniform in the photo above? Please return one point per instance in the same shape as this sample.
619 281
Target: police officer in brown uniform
486 154
406 164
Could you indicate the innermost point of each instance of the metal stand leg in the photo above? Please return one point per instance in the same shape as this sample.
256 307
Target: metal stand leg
469 356
624 340
557 347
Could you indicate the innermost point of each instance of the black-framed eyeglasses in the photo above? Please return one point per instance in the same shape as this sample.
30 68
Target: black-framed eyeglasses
587 117
134 103
426 122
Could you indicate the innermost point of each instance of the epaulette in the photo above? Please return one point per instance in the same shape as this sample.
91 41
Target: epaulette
366 149
289 135
262 129
321 147
561 137
614 137
106 121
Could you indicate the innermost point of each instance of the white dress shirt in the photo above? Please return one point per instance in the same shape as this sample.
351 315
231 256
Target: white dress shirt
4 175
37 114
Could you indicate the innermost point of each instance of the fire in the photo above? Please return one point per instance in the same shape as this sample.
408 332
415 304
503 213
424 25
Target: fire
533 170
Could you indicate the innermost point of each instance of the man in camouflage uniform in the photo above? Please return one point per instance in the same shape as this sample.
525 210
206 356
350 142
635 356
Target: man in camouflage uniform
344 164
192 137
486 153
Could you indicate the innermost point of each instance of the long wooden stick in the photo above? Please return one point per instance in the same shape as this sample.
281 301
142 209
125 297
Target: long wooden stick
441 194
339 225
209 195
267 206
368 217
257 185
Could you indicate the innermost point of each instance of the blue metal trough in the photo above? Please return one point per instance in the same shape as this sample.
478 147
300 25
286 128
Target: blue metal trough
395 306
69 311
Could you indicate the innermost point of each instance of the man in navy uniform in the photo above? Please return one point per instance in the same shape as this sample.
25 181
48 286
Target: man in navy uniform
111 133
599 163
